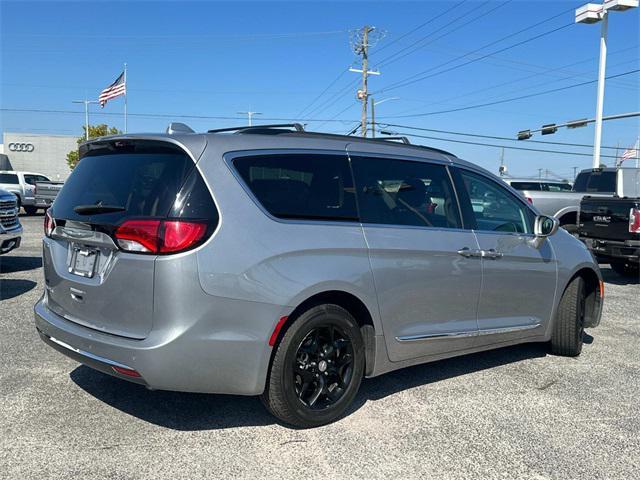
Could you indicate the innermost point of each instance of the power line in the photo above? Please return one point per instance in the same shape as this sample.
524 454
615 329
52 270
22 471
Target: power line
415 46
421 25
494 42
408 81
512 99
466 142
519 79
172 115
323 92
493 137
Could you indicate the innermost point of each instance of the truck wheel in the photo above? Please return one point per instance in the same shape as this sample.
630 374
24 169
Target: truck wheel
568 328
317 368
624 268
31 210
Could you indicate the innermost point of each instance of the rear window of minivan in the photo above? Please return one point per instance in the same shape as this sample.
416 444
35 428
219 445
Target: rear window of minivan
144 179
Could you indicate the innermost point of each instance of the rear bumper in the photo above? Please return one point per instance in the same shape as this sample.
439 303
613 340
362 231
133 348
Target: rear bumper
629 249
191 360
10 240
43 202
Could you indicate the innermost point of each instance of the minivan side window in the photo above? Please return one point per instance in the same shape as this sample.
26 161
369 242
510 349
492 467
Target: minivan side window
301 186
399 192
493 207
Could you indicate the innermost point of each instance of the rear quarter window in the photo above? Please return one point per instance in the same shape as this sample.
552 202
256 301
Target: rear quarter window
301 186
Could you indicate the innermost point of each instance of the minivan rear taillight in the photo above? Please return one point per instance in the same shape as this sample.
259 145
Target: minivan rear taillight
634 220
49 223
159 236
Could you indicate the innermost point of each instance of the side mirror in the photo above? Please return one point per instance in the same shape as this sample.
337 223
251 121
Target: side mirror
544 227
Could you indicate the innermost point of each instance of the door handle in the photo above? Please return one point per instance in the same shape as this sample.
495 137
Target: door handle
492 254
466 252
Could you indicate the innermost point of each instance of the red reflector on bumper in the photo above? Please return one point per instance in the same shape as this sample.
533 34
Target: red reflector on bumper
276 331
126 371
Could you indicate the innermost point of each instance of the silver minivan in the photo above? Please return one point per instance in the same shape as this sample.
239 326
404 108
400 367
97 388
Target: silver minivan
288 264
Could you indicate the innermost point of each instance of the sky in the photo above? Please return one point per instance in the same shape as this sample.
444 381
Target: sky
289 61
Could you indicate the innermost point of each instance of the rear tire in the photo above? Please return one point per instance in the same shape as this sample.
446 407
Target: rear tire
568 328
624 268
317 368
31 210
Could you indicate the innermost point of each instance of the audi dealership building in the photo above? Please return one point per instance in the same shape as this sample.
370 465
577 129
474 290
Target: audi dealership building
32 152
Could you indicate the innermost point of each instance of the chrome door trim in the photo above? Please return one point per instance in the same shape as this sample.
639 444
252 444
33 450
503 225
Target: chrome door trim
519 328
466 334
437 336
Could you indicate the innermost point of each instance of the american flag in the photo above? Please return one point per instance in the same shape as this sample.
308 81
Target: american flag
117 88
630 153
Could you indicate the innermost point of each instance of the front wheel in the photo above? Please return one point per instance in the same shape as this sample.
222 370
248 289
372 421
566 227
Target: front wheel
317 368
568 328
30 210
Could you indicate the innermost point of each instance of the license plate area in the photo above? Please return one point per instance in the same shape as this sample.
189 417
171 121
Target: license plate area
83 261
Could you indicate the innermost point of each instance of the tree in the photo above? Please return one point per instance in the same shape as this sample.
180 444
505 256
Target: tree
94 131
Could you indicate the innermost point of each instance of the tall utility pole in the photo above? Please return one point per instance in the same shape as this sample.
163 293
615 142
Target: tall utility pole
539 173
86 114
575 169
361 47
250 114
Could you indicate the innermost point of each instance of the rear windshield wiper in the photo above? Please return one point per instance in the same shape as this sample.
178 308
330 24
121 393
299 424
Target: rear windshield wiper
96 209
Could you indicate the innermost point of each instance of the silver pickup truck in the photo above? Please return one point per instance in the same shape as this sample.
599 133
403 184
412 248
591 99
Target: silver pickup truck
46 193
561 202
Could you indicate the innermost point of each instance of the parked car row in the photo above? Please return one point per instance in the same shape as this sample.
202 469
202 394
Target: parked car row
288 264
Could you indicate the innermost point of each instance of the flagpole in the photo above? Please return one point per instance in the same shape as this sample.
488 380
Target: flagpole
125 98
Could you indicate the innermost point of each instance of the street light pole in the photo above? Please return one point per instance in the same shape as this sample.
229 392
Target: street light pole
86 115
373 116
250 114
593 13
597 140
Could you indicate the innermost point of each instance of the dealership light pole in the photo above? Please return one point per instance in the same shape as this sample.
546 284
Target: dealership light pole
250 114
86 115
593 13
373 115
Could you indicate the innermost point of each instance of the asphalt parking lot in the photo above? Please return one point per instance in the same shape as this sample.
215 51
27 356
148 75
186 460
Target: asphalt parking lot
512 413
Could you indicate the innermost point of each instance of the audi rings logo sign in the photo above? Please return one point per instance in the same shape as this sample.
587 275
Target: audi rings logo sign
21 147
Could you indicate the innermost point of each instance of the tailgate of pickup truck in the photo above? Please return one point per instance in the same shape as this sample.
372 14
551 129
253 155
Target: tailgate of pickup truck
606 218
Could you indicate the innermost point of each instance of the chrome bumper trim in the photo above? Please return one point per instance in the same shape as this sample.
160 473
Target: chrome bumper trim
92 356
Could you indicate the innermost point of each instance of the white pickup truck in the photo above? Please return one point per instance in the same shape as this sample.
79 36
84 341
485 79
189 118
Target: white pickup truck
562 203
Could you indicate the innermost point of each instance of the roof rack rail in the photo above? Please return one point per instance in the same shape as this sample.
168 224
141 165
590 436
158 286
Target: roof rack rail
296 126
404 140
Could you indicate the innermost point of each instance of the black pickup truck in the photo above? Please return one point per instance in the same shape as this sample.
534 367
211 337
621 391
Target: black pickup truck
610 227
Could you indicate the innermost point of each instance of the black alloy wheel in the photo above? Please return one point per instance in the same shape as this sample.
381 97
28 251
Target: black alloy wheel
323 367
317 367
